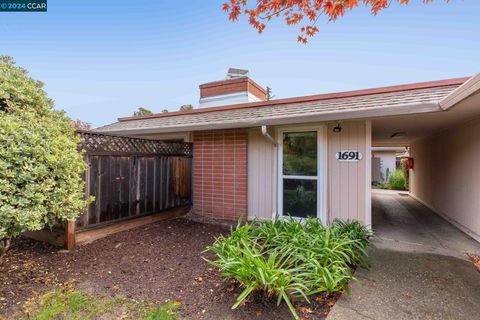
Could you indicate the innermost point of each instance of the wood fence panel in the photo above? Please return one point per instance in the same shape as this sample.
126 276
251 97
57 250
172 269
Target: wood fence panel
149 184
142 168
134 186
124 196
132 177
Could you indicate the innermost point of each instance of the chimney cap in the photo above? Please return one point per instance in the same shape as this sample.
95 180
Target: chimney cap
234 73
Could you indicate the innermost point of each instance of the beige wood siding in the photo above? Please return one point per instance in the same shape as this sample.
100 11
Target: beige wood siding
348 184
261 168
446 175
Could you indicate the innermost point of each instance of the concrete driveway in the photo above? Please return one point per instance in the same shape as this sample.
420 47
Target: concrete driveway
419 268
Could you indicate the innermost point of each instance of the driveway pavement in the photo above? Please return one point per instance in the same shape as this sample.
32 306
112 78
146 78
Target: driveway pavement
419 268
402 223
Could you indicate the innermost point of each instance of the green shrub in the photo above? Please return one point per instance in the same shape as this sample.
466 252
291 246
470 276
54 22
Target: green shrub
405 170
286 258
40 167
396 180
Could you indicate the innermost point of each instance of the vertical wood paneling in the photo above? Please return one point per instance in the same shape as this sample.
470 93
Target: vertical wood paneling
126 186
261 168
354 143
445 174
150 180
102 213
116 196
346 180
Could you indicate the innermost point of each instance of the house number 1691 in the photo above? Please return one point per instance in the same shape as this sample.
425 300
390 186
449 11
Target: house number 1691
349 155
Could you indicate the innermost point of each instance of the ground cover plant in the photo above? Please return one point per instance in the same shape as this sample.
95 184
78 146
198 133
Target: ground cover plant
290 260
69 302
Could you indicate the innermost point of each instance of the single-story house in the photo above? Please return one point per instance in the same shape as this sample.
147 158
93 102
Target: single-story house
385 160
311 155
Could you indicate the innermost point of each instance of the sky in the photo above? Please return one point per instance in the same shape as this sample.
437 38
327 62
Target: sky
101 60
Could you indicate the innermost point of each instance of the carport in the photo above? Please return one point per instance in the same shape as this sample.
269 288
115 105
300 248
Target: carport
444 141
404 224
418 267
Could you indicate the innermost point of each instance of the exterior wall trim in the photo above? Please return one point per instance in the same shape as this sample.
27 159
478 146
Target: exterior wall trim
368 175
468 88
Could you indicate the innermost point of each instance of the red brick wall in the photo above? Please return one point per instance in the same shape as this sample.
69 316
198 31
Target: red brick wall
231 86
220 174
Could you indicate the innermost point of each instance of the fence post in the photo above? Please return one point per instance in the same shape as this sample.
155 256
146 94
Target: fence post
70 235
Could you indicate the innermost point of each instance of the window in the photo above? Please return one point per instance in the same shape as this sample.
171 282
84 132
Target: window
300 153
300 178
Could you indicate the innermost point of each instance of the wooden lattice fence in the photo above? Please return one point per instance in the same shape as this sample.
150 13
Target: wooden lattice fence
133 177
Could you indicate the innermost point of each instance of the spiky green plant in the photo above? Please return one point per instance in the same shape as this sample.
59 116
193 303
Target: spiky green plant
287 258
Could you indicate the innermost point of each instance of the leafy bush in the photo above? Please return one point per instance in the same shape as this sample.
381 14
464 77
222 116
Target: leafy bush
40 167
405 170
397 181
286 258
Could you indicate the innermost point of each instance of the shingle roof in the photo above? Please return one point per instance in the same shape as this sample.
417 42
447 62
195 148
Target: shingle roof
311 106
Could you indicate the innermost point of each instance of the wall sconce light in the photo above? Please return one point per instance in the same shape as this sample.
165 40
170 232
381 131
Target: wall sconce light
337 128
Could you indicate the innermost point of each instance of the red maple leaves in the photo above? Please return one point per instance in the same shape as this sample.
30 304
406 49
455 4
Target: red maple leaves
295 11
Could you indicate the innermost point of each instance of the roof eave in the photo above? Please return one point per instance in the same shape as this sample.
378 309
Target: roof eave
465 90
334 115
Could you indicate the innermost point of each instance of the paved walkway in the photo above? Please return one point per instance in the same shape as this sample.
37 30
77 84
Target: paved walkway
404 224
419 268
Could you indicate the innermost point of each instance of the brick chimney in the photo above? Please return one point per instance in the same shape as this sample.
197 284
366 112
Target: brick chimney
237 88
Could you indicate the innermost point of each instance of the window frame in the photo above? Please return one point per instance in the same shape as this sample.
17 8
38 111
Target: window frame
321 169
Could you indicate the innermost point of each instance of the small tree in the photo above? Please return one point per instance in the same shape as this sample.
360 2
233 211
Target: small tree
270 94
81 125
142 112
40 167
186 107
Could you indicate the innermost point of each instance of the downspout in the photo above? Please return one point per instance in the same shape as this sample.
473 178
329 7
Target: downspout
268 136
270 139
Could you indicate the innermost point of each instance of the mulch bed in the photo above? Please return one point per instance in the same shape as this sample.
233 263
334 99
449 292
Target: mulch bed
161 261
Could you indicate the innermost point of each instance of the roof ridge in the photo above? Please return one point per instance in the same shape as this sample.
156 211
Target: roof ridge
325 96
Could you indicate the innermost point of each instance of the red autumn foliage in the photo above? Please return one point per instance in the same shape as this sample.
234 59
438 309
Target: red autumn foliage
475 259
296 11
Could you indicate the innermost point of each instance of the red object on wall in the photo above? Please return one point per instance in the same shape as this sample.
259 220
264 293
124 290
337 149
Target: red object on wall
220 173
410 163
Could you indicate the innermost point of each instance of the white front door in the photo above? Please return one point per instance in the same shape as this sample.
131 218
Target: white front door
301 173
